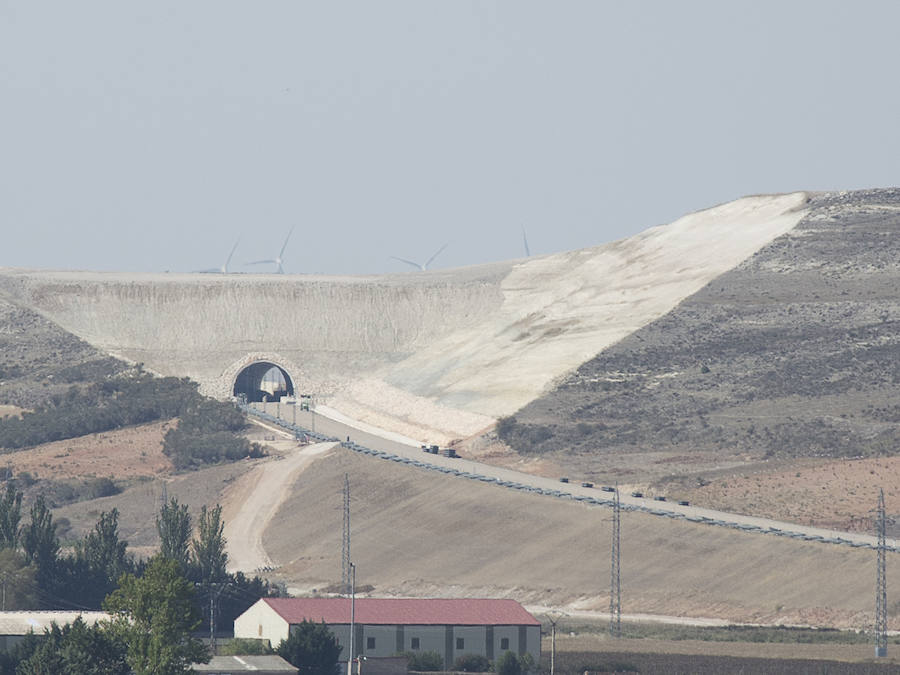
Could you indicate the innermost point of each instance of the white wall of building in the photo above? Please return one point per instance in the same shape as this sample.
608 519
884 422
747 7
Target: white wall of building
261 622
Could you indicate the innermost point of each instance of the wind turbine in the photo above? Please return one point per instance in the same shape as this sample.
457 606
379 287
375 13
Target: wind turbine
224 268
278 260
525 241
422 266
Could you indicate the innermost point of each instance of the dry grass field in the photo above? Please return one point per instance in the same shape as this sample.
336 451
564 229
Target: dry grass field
838 494
581 653
122 454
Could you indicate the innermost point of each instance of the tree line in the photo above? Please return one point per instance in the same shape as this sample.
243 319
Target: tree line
206 431
157 604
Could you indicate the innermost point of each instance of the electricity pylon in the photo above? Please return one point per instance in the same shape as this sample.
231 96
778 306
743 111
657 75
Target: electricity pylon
615 589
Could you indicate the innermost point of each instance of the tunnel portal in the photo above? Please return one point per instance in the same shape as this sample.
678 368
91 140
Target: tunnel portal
263 381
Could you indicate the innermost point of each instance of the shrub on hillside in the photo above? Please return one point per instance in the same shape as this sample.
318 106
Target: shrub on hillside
205 431
101 406
525 438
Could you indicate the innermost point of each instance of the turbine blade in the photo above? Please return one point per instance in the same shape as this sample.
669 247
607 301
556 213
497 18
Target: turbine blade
286 240
228 260
409 262
431 259
525 241
261 262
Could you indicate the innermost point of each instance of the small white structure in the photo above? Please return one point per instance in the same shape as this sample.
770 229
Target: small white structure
14 626
387 626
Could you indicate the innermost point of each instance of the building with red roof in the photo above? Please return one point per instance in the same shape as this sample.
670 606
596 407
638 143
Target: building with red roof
452 627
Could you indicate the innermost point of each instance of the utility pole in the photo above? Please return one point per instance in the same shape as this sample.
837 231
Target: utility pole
352 616
345 540
215 590
553 618
881 583
615 589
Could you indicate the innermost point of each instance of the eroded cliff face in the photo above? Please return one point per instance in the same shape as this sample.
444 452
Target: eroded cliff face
432 355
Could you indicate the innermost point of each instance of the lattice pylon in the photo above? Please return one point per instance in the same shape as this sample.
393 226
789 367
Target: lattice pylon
881 582
345 539
615 588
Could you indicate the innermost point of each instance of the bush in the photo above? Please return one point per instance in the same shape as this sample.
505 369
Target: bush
26 479
508 664
101 487
505 426
205 432
474 663
101 406
246 647
424 661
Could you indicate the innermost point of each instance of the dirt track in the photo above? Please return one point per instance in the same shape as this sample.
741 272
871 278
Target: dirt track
252 501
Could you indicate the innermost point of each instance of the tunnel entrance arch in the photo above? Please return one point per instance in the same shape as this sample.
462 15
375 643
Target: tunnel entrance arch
262 381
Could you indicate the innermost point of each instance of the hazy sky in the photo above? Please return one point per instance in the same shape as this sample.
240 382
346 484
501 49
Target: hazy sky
150 136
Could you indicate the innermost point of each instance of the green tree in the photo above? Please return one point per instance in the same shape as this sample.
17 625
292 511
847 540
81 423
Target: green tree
155 616
312 648
40 543
101 557
10 515
174 526
209 555
17 584
508 664
102 549
76 649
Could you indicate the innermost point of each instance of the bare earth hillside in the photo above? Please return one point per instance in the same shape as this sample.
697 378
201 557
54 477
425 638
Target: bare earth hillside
39 359
422 534
793 353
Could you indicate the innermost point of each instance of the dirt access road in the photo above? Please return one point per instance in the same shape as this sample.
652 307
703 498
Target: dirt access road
253 499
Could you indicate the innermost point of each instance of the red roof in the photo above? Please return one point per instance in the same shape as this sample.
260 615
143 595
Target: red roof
404 611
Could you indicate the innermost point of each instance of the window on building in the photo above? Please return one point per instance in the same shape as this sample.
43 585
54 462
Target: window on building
460 643
414 643
504 643
370 643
